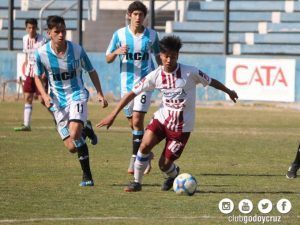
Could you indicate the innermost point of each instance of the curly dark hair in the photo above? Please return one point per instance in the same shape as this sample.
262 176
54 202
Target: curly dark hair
170 43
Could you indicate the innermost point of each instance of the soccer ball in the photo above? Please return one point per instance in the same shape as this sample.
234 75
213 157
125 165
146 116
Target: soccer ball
185 184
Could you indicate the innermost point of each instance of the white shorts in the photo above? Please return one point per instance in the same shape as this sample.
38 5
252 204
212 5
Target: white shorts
140 103
76 111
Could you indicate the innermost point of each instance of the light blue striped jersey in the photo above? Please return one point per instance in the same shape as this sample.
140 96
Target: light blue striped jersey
64 74
137 63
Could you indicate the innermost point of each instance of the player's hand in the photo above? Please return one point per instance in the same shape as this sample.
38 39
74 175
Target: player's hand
48 101
103 101
122 50
233 95
107 121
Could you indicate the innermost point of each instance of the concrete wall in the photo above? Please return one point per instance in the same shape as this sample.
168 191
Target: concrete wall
109 73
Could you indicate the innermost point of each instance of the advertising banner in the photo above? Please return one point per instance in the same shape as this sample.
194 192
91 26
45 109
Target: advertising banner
262 79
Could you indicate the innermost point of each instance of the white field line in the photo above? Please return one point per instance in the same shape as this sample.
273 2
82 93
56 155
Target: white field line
102 218
205 217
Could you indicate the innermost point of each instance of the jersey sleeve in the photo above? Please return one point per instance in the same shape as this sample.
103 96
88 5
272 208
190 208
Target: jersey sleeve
146 84
38 66
85 61
201 77
155 46
113 45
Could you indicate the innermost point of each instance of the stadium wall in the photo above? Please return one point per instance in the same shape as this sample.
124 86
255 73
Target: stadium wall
214 66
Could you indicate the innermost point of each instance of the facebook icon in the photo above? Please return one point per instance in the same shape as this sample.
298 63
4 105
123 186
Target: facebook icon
284 206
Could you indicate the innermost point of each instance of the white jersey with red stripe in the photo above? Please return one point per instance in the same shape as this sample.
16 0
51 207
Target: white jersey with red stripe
177 110
29 47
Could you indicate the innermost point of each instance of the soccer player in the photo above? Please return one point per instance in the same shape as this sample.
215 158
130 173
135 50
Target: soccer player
134 45
63 61
31 41
174 120
294 167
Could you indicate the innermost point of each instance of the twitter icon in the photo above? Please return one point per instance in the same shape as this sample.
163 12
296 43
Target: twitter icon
265 206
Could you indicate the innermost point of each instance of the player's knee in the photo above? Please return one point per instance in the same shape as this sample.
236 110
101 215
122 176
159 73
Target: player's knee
71 148
29 99
138 121
136 124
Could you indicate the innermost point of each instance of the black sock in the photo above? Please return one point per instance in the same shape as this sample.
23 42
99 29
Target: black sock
87 132
136 142
297 159
83 134
83 156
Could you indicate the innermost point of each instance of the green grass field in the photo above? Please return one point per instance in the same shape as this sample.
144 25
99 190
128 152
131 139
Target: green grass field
235 152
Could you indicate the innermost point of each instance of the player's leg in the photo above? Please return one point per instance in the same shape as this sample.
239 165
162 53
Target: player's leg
294 167
69 125
153 135
142 160
140 108
175 143
28 109
89 132
75 128
137 122
28 90
128 111
27 113
78 115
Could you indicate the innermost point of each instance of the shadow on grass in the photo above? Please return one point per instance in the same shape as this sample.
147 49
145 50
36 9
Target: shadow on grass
241 175
246 192
144 185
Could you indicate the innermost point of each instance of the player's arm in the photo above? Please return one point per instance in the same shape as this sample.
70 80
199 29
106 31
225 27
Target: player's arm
218 85
41 88
119 51
146 84
109 120
96 82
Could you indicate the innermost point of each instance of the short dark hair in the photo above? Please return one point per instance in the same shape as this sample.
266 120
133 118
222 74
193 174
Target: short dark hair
31 21
55 21
170 43
137 5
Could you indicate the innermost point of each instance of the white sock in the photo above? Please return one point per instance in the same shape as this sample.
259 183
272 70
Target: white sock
140 164
171 172
27 114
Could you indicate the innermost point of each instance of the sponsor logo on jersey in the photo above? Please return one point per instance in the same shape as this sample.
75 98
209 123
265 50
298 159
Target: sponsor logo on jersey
137 56
64 76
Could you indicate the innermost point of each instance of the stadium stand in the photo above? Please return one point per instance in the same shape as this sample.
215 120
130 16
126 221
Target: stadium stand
97 33
29 9
255 27
112 18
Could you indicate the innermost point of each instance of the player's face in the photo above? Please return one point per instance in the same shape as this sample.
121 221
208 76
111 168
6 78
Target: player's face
31 30
136 18
169 60
58 34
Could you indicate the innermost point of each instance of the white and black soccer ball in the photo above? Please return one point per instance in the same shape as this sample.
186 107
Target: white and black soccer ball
185 184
